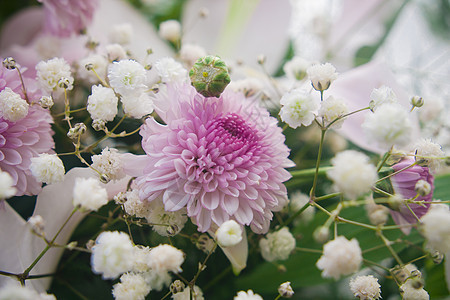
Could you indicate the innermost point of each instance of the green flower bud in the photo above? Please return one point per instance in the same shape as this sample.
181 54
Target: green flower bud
209 76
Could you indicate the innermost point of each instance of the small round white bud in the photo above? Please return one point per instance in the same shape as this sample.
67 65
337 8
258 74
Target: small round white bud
205 243
437 257
422 188
46 101
321 234
104 178
321 76
417 101
120 198
9 63
261 59
37 224
72 245
76 131
285 290
204 12
89 66
395 202
170 30
172 230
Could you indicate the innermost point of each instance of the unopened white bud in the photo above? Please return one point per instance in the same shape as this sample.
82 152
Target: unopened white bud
64 83
9 63
170 30
321 76
422 188
261 59
321 234
285 290
417 101
37 224
99 125
177 286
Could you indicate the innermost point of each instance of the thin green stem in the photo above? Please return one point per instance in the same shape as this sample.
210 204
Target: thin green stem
308 250
312 194
387 243
396 172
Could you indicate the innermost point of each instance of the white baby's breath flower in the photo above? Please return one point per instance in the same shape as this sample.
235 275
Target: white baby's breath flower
340 257
409 292
37 224
157 280
96 62
229 233
352 173
47 168
89 194
321 75
51 71
174 220
15 291
121 33
388 125
365 287
432 109
248 295
166 258
7 189
115 52
277 245
131 286
134 206
12 107
298 108
296 68
127 77
141 259
102 103
249 86
382 95
110 163
170 70
331 109
378 214
111 254
431 152
137 106
435 226
190 53
170 30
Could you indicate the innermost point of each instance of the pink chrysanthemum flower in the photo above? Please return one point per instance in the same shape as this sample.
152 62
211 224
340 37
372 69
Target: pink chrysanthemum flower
64 17
404 184
25 138
222 158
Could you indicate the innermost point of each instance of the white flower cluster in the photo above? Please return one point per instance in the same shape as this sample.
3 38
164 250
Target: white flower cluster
112 254
12 107
388 125
96 62
431 152
47 168
102 103
352 173
129 79
134 206
121 34
295 69
16 291
88 194
340 257
410 292
170 70
109 163
166 258
131 286
50 72
365 287
298 108
435 226
249 295
331 109
7 189
190 53
277 245
382 95
170 30
229 234
321 75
